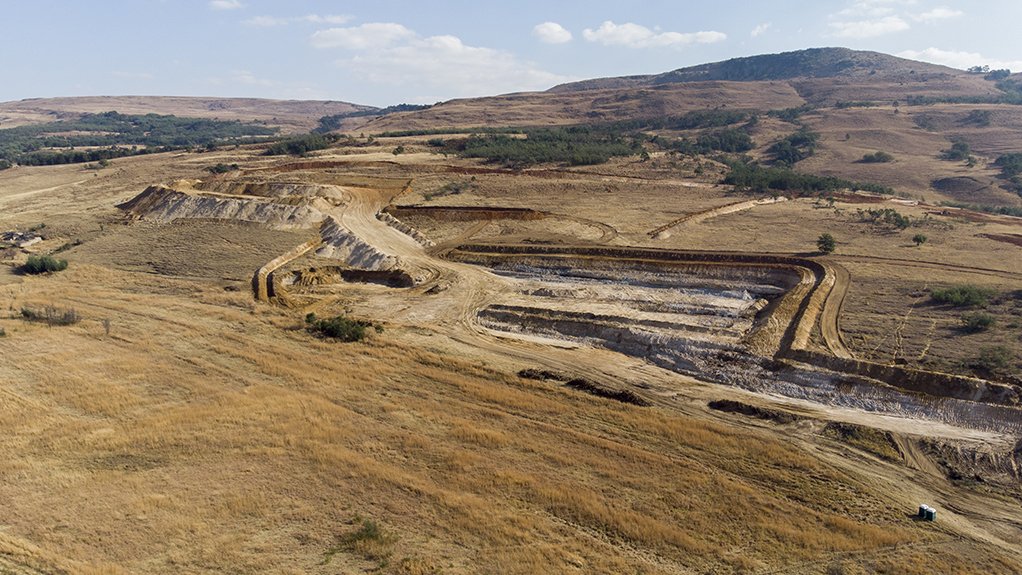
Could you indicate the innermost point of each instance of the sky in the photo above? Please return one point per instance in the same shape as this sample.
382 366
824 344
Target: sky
385 52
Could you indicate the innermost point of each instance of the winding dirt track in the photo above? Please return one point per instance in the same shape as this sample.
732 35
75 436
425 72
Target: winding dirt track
830 316
713 213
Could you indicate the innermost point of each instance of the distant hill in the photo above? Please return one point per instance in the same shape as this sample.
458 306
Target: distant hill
289 115
801 64
817 76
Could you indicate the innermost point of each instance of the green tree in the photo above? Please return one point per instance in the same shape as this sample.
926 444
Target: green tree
919 239
826 243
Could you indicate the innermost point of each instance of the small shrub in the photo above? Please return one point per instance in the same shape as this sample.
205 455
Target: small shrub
991 359
963 296
370 541
979 118
959 150
978 321
3 333
51 315
919 239
826 244
221 168
43 264
877 158
340 328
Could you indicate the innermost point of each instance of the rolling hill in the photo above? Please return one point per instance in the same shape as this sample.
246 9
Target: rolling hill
818 76
289 115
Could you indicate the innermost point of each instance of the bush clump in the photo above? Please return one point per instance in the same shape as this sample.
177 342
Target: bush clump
877 158
51 315
370 541
43 265
341 328
978 321
963 295
221 168
992 359
301 145
826 244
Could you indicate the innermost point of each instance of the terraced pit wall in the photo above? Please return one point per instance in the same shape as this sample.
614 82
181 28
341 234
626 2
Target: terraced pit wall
465 213
778 326
928 382
784 327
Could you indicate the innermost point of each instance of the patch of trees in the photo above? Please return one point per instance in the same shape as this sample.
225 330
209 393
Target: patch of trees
966 295
856 104
989 74
960 150
998 210
1011 93
887 217
791 115
750 177
55 142
334 121
301 145
1011 170
56 157
731 140
574 145
444 131
694 120
877 158
980 118
795 147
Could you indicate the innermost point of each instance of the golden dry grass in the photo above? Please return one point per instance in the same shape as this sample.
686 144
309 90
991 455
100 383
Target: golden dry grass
207 434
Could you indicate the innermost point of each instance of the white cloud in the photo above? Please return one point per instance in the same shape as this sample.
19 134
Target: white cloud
264 21
364 37
959 59
760 29
868 9
271 21
441 67
936 14
225 4
551 33
634 35
869 28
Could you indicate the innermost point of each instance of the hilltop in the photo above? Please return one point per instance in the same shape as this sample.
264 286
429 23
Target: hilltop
800 64
818 77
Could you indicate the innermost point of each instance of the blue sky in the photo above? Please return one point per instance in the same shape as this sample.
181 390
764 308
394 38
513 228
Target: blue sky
386 52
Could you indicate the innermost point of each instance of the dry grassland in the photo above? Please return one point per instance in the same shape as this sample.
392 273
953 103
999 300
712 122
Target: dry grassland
208 433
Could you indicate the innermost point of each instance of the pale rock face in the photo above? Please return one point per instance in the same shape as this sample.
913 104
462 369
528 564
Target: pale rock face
161 204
